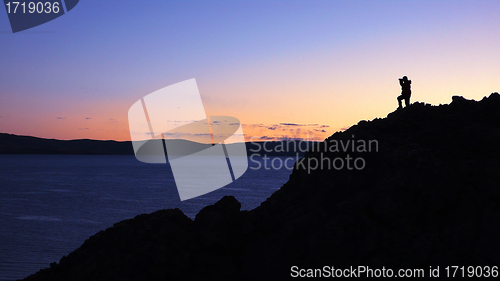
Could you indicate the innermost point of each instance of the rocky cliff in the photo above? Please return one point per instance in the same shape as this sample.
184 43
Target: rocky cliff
423 190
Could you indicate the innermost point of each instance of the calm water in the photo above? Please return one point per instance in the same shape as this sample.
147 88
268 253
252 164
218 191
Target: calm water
49 204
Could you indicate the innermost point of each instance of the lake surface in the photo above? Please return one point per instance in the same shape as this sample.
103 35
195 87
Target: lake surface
50 204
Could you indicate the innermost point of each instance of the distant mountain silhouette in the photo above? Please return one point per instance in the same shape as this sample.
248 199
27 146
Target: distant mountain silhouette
14 144
429 196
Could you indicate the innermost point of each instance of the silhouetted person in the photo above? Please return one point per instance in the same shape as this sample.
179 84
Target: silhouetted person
405 91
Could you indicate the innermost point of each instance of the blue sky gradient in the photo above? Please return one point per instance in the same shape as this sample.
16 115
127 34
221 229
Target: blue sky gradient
265 62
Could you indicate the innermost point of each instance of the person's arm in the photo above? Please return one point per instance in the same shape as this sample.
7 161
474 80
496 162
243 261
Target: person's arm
401 82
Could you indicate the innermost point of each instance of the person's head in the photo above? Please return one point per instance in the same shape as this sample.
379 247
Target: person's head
405 78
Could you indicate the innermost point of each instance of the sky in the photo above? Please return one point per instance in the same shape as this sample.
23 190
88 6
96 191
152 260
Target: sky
284 69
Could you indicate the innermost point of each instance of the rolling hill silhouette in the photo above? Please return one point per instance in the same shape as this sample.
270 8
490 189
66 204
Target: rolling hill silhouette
14 144
428 196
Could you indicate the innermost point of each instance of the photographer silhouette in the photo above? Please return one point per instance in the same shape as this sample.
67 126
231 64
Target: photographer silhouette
405 91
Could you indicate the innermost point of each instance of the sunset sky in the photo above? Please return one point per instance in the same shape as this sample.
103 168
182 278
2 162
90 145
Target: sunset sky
285 69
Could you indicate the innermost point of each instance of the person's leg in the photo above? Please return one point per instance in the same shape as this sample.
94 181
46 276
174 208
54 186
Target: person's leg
407 101
399 101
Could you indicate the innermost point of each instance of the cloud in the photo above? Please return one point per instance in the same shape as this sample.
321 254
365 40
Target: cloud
282 137
292 127
307 125
87 118
199 134
287 131
83 128
60 118
292 124
266 138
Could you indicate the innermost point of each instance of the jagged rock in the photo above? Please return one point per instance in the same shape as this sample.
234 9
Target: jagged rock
429 195
228 206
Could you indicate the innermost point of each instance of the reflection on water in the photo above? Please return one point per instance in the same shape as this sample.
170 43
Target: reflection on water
49 204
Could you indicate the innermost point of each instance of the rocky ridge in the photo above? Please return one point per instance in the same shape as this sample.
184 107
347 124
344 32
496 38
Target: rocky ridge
429 195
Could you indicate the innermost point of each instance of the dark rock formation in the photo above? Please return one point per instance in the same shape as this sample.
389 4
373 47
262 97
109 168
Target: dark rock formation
14 144
429 195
